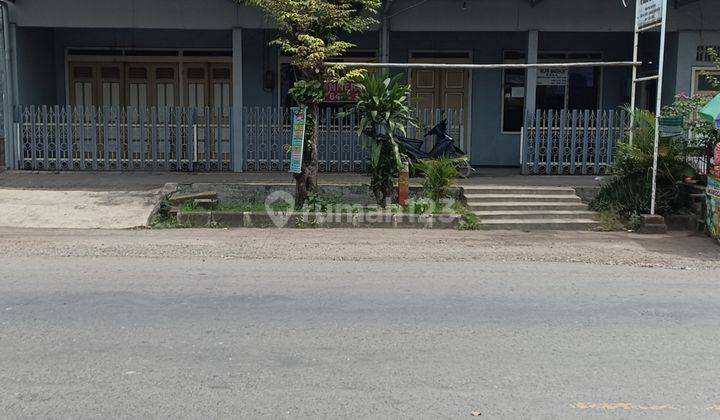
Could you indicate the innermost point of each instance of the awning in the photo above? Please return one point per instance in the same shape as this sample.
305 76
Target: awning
711 111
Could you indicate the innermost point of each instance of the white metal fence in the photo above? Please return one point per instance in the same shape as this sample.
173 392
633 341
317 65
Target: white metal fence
577 142
75 138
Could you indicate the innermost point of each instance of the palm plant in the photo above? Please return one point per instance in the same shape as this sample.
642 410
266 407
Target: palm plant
630 184
440 176
384 115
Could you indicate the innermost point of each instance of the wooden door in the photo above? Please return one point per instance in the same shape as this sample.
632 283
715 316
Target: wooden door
442 89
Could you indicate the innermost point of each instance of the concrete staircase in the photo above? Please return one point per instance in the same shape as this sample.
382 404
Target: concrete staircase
528 208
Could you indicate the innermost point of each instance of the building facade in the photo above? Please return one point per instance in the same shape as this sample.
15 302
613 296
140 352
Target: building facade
215 53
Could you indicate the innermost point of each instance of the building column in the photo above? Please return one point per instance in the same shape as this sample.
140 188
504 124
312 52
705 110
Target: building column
238 127
532 74
8 91
385 43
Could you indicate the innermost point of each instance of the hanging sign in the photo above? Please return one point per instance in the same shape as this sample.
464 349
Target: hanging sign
299 115
552 77
341 92
649 12
671 126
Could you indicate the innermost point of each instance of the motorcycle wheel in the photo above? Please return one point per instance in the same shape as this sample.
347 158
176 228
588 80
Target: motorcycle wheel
465 170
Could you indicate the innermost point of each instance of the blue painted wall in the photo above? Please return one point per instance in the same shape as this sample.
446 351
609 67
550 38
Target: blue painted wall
489 145
41 66
36 66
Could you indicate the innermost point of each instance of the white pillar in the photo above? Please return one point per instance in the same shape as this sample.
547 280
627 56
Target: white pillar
531 79
238 128
385 43
8 92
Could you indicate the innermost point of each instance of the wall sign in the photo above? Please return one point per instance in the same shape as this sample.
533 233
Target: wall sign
299 115
552 77
341 92
649 12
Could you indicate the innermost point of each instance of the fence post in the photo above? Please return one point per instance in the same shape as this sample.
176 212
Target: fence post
118 139
218 139
538 130
142 115
586 134
549 141
237 132
561 143
610 139
56 122
573 142
93 127
524 132
598 140
192 137
69 136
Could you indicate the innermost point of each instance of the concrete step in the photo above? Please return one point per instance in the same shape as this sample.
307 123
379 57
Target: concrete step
180 199
475 198
525 205
538 224
535 214
205 203
530 206
525 190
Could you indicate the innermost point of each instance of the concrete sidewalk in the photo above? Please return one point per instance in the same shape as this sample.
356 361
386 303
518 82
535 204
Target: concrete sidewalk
126 199
136 181
33 208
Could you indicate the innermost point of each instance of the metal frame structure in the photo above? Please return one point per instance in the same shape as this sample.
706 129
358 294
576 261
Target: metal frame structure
662 24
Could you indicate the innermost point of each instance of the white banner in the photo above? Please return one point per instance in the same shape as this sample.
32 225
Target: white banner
649 12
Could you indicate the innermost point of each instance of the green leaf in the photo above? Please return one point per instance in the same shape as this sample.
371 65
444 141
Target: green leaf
375 154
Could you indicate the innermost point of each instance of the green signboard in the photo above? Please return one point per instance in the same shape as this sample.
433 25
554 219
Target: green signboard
299 115
671 126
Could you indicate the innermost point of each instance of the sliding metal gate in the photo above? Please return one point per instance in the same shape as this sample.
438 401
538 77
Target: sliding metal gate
571 142
124 138
76 138
268 132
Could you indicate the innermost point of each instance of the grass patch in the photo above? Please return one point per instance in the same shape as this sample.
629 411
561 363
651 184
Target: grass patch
469 221
610 221
163 219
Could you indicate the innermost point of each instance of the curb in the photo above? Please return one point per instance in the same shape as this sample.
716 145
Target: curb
317 220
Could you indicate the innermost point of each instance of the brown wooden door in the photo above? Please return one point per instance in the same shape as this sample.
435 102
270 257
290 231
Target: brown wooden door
442 89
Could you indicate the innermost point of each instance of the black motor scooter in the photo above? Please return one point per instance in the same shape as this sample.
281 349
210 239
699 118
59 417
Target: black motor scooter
444 148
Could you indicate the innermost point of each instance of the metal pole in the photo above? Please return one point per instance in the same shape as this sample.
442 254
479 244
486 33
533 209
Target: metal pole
633 90
658 107
487 66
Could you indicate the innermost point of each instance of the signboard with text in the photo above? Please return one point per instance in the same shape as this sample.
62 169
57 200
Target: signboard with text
649 12
299 115
341 92
552 77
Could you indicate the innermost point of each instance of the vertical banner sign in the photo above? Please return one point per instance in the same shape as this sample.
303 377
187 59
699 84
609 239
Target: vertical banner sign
649 12
713 206
298 139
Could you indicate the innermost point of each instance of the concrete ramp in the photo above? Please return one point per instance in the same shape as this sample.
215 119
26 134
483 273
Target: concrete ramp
37 208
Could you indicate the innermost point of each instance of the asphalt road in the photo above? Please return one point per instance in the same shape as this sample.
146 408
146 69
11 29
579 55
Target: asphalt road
229 337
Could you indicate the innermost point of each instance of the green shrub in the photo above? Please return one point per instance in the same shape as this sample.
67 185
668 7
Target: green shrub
321 202
629 187
470 221
610 222
440 175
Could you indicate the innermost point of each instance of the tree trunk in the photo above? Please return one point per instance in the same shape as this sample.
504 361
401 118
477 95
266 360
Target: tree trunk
306 180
